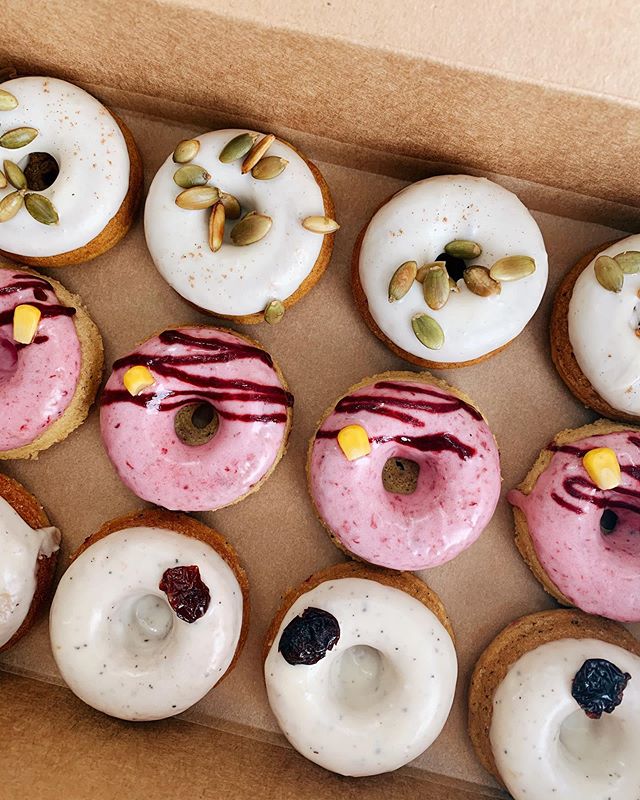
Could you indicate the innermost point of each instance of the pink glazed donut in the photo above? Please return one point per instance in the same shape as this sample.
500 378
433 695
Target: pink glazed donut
582 542
427 488
209 429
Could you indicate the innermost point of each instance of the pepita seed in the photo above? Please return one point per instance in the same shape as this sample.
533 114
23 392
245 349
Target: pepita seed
609 274
252 228
463 248
436 287
238 147
7 100
269 167
258 150
421 273
231 205
10 205
629 261
3 181
18 137
41 209
480 282
453 286
197 197
512 268
320 224
191 175
15 175
274 312
186 151
402 280
427 331
216 226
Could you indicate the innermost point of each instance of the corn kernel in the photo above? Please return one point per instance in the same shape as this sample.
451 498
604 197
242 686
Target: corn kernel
26 319
602 467
137 378
354 442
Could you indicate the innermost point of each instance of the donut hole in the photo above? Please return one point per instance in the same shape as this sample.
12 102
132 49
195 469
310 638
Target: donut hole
361 678
620 531
400 475
596 744
41 171
196 424
146 620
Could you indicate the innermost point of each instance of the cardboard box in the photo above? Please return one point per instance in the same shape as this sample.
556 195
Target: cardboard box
354 89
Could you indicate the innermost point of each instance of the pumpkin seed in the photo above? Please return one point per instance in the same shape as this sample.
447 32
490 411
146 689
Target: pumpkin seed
629 261
512 268
609 274
10 205
15 175
274 312
237 147
420 275
320 224
436 287
258 150
216 226
186 151
41 209
269 167
402 280
427 331
191 175
463 248
3 181
250 229
231 205
453 286
7 100
18 137
480 282
197 197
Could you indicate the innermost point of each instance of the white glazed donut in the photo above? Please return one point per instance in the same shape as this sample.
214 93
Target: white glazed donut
94 160
603 331
240 281
544 744
415 225
380 694
132 649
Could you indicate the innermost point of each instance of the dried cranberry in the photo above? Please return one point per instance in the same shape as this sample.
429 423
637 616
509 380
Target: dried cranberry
455 266
8 358
307 638
598 686
187 594
608 521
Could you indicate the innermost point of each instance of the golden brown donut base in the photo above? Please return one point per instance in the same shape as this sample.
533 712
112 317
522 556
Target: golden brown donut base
400 375
116 228
562 352
187 526
405 581
92 363
26 505
518 638
522 534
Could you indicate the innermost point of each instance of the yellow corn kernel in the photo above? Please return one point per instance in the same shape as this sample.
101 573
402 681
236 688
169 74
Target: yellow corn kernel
602 467
354 442
137 378
26 319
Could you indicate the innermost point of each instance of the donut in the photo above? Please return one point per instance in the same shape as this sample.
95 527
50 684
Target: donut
206 425
553 708
403 471
247 270
577 533
151 614
28 552
360 668
51 360
72 174
449 270
595 330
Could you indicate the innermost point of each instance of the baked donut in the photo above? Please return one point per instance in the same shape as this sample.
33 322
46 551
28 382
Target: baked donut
250 269
536 703
361 668
577 514
449 270
403 471
150 616
71 177
28 552
595 330
195 418
51 361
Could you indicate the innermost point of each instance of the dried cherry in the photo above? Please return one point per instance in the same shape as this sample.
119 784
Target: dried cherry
186 592
598 686
308 637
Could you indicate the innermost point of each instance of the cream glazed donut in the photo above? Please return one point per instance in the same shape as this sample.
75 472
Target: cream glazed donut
28 552
554 704
360 668
253 268
71 176
404 471
150 616
195 418
449 270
